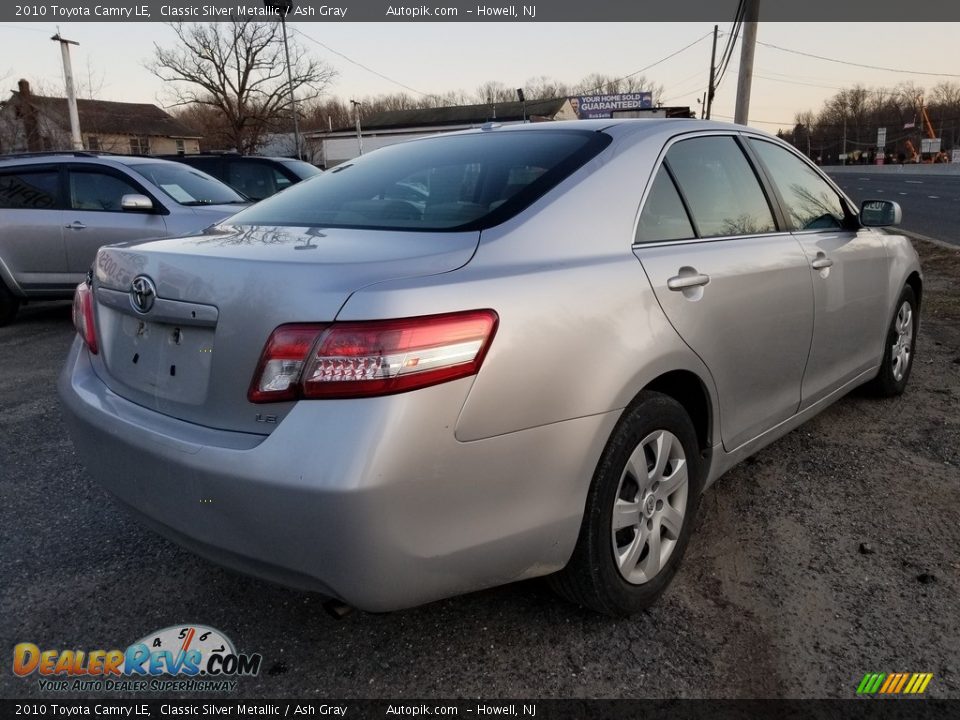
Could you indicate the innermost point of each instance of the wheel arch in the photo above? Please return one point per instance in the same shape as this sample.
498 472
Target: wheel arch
916 284
690 391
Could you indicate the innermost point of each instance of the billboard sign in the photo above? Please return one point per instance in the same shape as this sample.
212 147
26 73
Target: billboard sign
590 107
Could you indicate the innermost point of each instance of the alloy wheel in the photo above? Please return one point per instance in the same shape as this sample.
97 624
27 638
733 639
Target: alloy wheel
649 509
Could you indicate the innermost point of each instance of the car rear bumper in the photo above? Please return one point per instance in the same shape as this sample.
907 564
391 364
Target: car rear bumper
371 501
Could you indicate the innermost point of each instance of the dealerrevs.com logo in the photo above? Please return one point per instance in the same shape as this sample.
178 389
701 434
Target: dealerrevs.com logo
178 658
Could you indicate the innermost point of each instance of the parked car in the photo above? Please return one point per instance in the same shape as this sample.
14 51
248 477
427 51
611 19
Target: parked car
537 373
58 208
254 177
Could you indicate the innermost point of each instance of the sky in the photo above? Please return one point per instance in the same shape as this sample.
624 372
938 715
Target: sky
439 57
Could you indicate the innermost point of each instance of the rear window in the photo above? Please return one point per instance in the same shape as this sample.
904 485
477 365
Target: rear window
452 182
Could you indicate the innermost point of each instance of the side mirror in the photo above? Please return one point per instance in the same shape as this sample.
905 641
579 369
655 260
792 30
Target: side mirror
880 213
136 203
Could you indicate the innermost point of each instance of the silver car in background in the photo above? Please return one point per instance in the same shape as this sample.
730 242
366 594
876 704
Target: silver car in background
58 208
535 367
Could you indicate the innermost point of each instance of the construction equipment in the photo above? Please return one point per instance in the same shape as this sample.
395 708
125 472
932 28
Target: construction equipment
915 156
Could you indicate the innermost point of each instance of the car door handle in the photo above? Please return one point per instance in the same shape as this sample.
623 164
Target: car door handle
77 225
821 262
682 282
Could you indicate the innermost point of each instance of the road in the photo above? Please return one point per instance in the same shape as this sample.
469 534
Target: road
830 554
931 203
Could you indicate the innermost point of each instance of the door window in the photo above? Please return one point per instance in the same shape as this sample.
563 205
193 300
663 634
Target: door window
93 190
809 201
663 216
720 187
25 190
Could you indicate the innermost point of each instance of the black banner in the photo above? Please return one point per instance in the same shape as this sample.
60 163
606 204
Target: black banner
474 11
862 709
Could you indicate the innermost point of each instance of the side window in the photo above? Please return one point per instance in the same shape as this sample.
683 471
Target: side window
721 189
25 190
663 216
810 202
94 190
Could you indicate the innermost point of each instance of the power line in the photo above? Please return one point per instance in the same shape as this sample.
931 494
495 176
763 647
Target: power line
797 82
654 64
361 65
727 53
854 64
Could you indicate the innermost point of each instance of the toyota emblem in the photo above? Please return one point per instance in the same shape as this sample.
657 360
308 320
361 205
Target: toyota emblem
142 293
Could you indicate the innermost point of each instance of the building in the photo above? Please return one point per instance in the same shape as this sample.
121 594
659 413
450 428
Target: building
332 147
30 123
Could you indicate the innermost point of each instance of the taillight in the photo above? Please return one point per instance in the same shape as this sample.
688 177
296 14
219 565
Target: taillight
377 357
83 315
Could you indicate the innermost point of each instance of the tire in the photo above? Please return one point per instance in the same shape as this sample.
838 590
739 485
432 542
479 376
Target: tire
899 347
9 304
615 573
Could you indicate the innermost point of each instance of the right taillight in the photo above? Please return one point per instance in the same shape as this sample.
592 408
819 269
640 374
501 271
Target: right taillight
370 358
83 316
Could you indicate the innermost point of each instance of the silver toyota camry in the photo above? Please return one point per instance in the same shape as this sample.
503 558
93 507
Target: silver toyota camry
481 357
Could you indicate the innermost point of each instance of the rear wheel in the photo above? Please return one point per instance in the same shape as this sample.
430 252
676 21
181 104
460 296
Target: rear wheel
899 347
9 304
639 512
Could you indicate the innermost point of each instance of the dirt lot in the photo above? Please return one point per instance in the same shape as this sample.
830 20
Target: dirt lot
831 554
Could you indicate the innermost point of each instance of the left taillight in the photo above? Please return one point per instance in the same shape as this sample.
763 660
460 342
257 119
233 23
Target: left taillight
371 358
83 316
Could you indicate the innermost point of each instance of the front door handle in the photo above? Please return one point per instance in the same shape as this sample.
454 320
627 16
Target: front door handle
682 282
821 262
76 225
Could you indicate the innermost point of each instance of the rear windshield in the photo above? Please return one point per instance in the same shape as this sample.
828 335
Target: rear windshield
451 182
301 169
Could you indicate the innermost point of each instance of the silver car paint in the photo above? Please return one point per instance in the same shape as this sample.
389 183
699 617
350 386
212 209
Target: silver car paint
44 252
390 502
231 269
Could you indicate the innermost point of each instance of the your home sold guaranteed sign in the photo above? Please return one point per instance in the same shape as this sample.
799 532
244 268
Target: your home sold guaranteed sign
180 658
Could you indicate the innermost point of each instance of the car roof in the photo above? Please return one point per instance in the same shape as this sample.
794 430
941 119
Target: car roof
617 127
45 158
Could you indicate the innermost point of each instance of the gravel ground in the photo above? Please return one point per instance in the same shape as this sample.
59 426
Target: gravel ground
830 554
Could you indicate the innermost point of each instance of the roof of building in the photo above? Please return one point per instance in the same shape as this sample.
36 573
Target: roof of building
462 114
104 117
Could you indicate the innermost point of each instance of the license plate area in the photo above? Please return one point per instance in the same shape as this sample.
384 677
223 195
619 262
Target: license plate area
167 360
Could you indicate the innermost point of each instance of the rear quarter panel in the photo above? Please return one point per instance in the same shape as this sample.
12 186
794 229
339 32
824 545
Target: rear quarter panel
580 329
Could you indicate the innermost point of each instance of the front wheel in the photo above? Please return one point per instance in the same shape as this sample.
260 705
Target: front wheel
639 512
899 347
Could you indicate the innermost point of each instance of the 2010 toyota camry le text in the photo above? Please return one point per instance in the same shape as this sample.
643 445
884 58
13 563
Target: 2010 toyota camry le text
474 358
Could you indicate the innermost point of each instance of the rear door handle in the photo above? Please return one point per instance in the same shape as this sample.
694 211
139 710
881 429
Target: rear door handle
76 225
682 282
821 262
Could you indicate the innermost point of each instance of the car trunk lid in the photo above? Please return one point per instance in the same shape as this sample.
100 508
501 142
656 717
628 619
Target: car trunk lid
185 339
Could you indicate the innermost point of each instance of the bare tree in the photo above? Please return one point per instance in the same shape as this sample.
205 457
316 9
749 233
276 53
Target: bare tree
238 68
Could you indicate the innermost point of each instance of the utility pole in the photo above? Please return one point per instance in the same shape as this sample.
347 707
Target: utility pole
283 7
713 72
356 110
748 46
75 137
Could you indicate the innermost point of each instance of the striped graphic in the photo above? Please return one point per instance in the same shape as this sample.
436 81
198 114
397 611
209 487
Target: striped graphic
894 683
